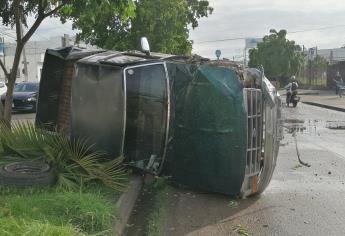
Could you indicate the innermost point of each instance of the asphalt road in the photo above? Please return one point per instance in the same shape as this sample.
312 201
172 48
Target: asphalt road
298 201
24 117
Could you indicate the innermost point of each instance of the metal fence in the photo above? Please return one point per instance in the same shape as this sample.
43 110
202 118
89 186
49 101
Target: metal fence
311 76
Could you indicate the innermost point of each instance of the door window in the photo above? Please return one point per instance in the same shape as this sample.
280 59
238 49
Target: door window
146 117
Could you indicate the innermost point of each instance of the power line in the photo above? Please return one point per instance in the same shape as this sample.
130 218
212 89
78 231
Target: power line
316 29
221 40
292 32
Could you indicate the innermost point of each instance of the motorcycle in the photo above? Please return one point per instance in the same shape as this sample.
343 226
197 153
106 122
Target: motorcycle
291 97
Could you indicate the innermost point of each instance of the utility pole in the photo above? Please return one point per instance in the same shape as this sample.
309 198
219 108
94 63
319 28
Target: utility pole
25 71
245 56
2 40
65 40
2 53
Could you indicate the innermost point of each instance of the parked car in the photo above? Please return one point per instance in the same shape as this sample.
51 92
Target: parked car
3 88
207 124
24 97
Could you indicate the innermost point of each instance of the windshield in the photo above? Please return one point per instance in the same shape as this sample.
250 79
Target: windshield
26 88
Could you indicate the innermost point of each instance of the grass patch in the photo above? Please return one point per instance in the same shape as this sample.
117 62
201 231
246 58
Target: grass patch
52 212
70 208
13 227
161 191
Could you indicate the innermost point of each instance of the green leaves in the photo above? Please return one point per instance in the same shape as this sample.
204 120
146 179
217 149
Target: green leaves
280 57
74 160
241 230
164 23
119 24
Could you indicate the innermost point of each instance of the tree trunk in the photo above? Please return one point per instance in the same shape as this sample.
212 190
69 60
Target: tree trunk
21 41
10 86
1 112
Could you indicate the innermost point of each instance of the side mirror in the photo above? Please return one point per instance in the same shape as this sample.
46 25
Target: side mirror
145 46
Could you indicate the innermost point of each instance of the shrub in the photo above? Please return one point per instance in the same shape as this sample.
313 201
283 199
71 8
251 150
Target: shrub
74 160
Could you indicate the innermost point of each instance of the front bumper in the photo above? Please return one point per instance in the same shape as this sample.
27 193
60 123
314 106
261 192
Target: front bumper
22 105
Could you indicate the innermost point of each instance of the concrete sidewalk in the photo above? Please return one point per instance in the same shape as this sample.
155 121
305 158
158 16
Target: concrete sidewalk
322 98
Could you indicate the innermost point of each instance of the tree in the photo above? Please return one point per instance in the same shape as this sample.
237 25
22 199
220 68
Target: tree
280 57
314 69
164 23
14 13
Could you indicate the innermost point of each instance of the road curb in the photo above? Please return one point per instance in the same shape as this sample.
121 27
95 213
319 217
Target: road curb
305 94
126 203
325 106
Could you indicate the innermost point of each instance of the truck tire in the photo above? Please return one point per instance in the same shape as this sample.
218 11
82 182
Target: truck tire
27 174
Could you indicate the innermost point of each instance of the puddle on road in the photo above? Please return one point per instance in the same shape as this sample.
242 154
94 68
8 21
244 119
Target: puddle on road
294 125
300 128
336 125
311 126
293 121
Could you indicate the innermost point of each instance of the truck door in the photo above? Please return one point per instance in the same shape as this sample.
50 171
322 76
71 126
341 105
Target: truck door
147 113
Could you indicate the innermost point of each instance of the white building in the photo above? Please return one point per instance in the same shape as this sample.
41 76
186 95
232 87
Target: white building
35 51
332 55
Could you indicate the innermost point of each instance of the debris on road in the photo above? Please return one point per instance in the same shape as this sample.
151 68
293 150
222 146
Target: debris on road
297 166
233 204
241 230
297 151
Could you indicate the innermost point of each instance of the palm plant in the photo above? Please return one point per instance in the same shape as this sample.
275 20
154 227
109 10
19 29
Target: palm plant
75 161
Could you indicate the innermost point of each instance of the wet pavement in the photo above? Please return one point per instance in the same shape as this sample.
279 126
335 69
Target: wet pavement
298 201
324 98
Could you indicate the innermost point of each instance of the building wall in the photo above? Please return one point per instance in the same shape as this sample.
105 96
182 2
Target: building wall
332 55
35 51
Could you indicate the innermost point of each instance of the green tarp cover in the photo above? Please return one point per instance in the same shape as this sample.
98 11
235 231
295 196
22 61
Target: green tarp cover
207 143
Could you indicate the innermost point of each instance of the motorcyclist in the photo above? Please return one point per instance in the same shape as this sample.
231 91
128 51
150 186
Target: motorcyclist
291 89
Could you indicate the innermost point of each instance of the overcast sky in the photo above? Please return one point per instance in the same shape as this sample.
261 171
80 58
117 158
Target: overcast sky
253 18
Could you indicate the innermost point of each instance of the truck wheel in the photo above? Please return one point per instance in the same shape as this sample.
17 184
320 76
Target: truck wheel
294 103
27 174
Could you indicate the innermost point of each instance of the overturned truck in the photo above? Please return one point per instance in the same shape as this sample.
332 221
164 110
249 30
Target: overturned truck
207 124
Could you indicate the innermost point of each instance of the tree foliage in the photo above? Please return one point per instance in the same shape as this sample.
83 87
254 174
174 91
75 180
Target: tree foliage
280 57
319 63
101 22
112 24
165 23
14 13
